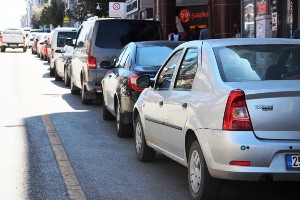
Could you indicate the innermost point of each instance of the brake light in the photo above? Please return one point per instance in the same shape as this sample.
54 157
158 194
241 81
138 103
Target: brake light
52 53
0 38
132 83
23 39
91 62
236 116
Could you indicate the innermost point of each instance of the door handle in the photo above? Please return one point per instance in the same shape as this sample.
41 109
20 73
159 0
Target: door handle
184 105
161 103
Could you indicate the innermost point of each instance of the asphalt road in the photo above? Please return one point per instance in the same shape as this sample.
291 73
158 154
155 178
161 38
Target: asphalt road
104 165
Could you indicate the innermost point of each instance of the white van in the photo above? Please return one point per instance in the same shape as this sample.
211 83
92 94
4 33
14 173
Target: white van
57 43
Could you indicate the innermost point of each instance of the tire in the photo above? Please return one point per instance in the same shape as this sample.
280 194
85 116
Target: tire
74 90
66 78
24 49
57 77
201 184
52 71
123 130
2 49
106 115
144 153
83 99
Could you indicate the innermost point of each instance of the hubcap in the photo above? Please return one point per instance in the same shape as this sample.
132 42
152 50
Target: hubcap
138 137
195 171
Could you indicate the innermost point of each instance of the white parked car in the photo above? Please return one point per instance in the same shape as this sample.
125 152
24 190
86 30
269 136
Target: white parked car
226 109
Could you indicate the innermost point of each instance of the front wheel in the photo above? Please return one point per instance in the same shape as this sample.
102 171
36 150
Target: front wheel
57 77
143 151
66 78
123 130
84 100
201 184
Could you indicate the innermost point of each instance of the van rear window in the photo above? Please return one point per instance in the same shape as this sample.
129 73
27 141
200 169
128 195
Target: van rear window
116 34
62 36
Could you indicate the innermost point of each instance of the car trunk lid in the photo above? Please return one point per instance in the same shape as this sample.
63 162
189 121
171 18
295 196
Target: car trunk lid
274 108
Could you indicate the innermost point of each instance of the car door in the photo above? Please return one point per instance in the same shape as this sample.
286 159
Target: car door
153 102
176 104
111 82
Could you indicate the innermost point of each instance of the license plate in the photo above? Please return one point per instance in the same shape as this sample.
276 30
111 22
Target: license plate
292 162
13 45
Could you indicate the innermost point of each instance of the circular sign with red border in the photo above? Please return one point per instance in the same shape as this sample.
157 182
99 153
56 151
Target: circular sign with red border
116 6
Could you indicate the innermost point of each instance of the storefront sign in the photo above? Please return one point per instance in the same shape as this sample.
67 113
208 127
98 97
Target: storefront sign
193 19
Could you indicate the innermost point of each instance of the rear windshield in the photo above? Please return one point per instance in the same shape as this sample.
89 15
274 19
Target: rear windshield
116 34
258 62
153 55
62 36
14 31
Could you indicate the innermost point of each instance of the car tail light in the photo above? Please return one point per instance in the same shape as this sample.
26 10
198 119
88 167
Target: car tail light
52 53
132 83
91 62
0 38
236 116
23 39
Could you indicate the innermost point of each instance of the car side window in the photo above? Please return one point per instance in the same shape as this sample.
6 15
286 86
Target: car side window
82 35
165 75
187 70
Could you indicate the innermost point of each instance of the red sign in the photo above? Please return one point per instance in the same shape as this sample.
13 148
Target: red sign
261 8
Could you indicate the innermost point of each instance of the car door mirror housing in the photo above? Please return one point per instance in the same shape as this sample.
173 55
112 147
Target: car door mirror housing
105 64
143 81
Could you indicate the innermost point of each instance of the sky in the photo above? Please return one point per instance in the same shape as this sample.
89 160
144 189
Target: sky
11 12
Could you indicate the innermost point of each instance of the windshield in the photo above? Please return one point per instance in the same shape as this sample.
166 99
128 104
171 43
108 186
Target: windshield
116 34
258 62
153 55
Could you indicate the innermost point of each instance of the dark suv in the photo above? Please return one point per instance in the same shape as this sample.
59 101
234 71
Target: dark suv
102 40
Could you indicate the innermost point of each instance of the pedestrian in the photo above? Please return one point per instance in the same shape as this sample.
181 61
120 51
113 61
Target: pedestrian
204 33
296 34
174 36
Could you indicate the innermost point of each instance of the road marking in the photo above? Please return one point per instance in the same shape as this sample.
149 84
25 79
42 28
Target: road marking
72 184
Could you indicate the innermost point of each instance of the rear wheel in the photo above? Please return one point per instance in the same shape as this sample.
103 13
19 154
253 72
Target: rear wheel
143 151
2 49
24 49
123 130
202 185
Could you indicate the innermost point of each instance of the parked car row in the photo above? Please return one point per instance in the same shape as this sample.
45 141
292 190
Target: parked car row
224 108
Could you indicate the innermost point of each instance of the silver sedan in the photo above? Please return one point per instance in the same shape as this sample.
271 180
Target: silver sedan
226 109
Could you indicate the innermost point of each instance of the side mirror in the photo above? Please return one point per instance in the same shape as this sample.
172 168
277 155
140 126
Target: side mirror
143 81
105 64
58 51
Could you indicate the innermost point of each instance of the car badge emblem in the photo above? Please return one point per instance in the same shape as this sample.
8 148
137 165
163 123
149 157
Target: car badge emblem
264 107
